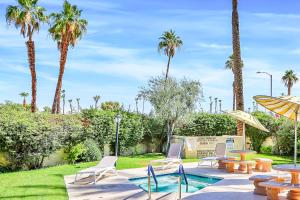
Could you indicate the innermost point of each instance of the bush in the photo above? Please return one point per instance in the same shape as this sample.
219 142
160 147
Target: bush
92 151
257 136
99 126
205 124
28 138
285 138
266 149
75 152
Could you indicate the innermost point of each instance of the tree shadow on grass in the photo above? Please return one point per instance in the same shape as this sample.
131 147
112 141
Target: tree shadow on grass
48 187
37 196
58 175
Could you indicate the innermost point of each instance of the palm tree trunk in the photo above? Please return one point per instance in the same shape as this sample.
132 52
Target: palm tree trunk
64 103
238 74
168 66
289 89
63 59
24 103
233 95
31 60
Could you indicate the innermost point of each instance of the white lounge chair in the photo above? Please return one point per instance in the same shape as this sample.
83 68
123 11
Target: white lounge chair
173 157
220 151
107 164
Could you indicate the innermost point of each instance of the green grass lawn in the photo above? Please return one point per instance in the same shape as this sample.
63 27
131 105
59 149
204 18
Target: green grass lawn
48 183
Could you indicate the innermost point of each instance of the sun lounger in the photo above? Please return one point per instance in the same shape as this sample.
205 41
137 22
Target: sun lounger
173 157
107 164
220 151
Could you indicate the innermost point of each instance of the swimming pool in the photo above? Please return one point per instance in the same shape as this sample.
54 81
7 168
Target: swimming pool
169 183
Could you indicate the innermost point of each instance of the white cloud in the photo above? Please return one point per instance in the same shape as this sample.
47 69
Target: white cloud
214 46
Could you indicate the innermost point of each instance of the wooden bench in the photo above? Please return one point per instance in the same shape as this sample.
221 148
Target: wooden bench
257 179
263 164
274 188
221 164
230 165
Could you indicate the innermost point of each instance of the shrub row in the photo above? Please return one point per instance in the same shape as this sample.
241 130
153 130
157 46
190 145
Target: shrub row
205 124
28 138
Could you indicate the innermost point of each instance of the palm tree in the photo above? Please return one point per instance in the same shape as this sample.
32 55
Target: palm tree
237 63
63 96
71 107
96 99
24 95
289 79
169 43
78 104
67 28
27 16
229 65
210 104
136 104
216 105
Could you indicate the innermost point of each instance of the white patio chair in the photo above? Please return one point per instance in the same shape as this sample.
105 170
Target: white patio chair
220 151
107 164
173 157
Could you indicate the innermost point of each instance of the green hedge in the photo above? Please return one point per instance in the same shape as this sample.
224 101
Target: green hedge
27 138
204 124
100 126
257 136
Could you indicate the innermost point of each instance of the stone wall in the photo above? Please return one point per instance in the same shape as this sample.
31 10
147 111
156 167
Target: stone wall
204 146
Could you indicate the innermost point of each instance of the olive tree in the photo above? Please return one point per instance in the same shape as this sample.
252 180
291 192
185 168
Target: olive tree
172 100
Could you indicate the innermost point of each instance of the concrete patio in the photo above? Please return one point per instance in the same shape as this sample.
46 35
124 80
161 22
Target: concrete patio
233 187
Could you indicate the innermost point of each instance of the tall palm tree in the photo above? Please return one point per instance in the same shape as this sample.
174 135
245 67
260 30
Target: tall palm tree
24 95
169 43
67 28
289 79
237 62
136 104
63 96
96 99
71 107
229 65
27 16
78 104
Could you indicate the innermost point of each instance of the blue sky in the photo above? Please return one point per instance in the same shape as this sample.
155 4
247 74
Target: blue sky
119 52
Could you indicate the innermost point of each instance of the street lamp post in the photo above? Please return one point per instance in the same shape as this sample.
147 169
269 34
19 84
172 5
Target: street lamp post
271 81
117 121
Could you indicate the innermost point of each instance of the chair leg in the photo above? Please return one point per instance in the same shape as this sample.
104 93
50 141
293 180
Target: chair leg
75 178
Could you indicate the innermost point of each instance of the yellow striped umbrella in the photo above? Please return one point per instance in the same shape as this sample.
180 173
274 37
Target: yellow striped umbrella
287 106
246 118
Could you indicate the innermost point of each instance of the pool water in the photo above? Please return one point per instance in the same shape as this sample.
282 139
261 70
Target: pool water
169 183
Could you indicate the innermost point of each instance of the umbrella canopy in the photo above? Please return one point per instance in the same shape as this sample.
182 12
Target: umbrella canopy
288 106
246 118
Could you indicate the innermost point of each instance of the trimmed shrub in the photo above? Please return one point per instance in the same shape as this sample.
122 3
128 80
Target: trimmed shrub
99 126
205 124
92 151
75 152
266 149
27 138
285 138
257 136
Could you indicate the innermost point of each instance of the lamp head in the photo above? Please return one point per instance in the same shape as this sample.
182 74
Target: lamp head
118 118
